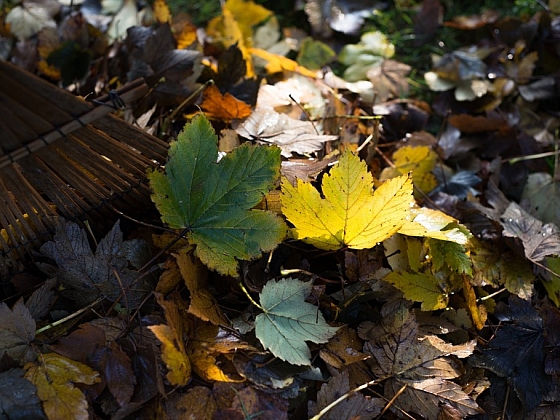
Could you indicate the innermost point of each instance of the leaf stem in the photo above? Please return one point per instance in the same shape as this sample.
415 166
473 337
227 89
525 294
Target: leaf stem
253 301
69 317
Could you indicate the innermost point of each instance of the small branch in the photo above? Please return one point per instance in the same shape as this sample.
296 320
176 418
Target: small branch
69 317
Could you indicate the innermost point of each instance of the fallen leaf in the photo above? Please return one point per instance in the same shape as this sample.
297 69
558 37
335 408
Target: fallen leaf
292 136
202 303
350 214
389 79
314 54
161 11
356 406
541 192
277 64
223 107
91 275
434 224
172 338
288 321
516 351
30 17
420 160
17 331
420 287
539 240
55 377
212 200
18 397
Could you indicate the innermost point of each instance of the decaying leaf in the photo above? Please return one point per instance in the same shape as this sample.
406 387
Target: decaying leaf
419 367
55 376
288 321
542 192
17 331
356 406
539 240
202 304
292 136
516 352
18 397
212 200
172 337
91 275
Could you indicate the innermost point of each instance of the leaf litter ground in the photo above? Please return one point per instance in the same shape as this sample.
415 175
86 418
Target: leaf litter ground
311 260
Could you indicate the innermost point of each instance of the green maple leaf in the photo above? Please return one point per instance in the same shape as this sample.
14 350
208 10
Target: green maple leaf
212 200
289 321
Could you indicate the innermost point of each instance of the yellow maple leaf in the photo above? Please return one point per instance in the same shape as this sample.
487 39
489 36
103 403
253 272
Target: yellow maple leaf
55 376
421 160
351 214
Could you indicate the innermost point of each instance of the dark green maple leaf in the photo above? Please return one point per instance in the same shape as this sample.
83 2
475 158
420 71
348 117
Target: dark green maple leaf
212 200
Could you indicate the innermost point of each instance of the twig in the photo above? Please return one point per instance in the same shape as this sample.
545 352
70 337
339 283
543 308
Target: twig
69 317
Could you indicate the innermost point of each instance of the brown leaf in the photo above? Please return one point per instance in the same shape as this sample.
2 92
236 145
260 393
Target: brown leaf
472 22
203 304
342 349
115 365
42 299
389 79
291 135
223 107
17 331
357 406
197 403
467 123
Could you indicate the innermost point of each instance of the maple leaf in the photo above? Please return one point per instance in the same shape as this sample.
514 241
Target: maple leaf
516 352
291 135
55 376
224 107
351 214
421 160
17 331
539 240
420 287
103 273
420 364
212 200
355 407
288 321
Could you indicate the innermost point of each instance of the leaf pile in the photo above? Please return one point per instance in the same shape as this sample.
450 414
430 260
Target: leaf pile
350 233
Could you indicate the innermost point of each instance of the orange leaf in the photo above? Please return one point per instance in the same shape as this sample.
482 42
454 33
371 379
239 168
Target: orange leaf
223 107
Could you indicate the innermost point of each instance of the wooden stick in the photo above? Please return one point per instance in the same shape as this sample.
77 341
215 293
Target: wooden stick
127 93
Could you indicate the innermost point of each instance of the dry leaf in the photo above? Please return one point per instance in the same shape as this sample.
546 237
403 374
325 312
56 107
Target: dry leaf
223 107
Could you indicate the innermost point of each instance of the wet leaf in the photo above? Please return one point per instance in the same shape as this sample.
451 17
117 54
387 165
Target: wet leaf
55 377
212 200
288 321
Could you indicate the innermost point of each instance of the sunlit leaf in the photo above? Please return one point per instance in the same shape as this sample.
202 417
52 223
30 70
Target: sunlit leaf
421 160
289 321
55 376
434 224
213 200
314 54
351 214
420 287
